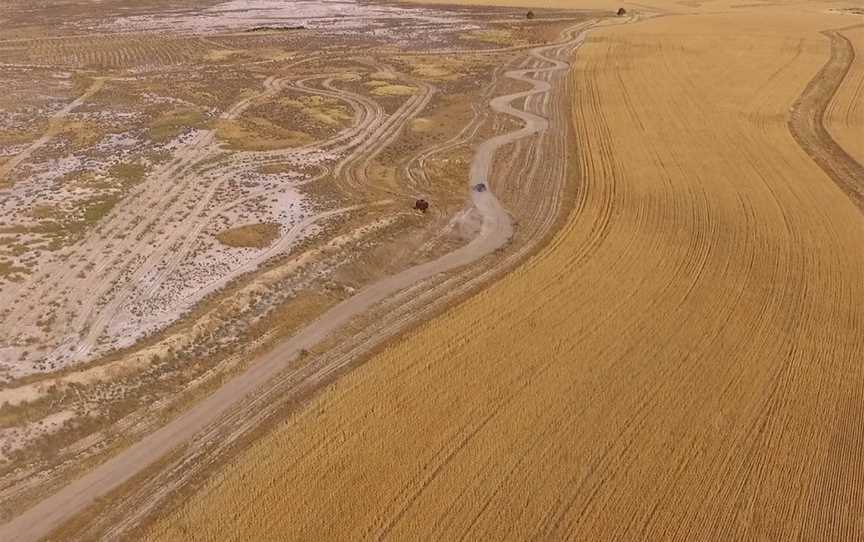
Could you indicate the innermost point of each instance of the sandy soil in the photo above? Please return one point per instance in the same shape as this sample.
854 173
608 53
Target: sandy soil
682 361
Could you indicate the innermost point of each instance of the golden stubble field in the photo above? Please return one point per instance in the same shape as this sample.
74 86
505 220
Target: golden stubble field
682 361
845 114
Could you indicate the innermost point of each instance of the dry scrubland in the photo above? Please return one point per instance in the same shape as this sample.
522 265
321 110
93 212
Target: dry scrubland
683 360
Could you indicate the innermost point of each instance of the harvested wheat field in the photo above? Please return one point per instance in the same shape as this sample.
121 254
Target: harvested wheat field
683 360
845 113
212 209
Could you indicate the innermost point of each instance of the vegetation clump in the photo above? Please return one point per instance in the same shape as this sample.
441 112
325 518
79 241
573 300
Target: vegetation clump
250 236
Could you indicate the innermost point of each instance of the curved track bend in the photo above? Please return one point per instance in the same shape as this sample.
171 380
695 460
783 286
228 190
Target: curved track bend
807 121
495 231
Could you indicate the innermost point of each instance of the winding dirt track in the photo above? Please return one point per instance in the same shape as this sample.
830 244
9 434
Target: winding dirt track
114 279
807 122
681 362
496 229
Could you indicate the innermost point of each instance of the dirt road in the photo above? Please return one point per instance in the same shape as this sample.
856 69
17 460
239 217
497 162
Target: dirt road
54 126
807 122
496 229
681 362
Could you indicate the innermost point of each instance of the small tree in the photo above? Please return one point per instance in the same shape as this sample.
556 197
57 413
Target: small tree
622 11
529 15
421 205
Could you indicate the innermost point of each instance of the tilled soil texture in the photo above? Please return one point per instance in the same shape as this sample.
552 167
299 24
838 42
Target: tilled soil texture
208 205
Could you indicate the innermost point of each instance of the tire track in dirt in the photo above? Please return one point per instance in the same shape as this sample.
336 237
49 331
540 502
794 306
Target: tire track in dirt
198 219
807 121
143 256
54 126
414 304
496 229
